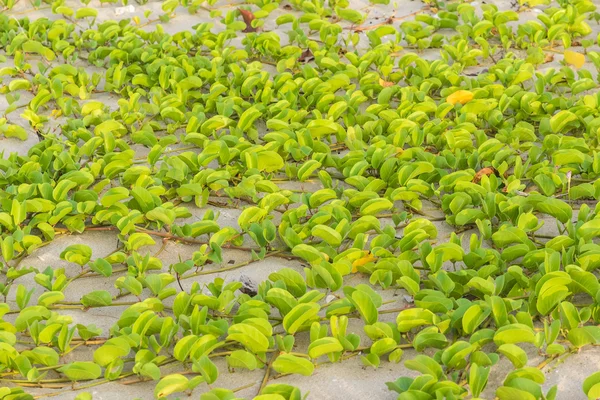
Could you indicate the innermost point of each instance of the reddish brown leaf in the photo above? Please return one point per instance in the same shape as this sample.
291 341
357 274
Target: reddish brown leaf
248 17
484 171
306 56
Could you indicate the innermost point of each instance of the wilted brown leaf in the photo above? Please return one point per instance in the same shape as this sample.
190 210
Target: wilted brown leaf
306 56
385 83
248 17
484 171
549 58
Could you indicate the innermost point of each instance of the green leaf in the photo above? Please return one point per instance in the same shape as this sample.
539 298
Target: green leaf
514 353
97 298
290 364
478 378
32 46
81 370
242 359
514 333
85 12
300 317
170 384
584 335
77 253
511 393
249 336
324 346
48 298
114 349
590 229
412 318
365 306
473 317
327 234
207 369
102 267
269 161
139 239
556 208
425 365
307 252
570 156
375 206
591 386
561 119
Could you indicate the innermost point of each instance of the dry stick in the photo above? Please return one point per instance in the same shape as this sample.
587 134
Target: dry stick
162 248
395 310
249 385
267 374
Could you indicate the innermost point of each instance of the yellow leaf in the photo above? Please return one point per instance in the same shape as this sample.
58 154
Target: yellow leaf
460 96
574 58
362 261
136 19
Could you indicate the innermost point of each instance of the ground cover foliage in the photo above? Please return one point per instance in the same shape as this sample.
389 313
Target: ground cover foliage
496 141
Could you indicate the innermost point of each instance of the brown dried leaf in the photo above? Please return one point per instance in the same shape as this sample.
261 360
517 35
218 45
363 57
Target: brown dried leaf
385 83
248 17
549 58
484 171
306 56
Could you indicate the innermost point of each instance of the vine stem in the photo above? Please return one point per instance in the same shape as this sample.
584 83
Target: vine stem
267 373
100 382
546 361
231 267
170 236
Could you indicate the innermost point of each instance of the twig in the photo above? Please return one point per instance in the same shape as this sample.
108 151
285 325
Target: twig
267 374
